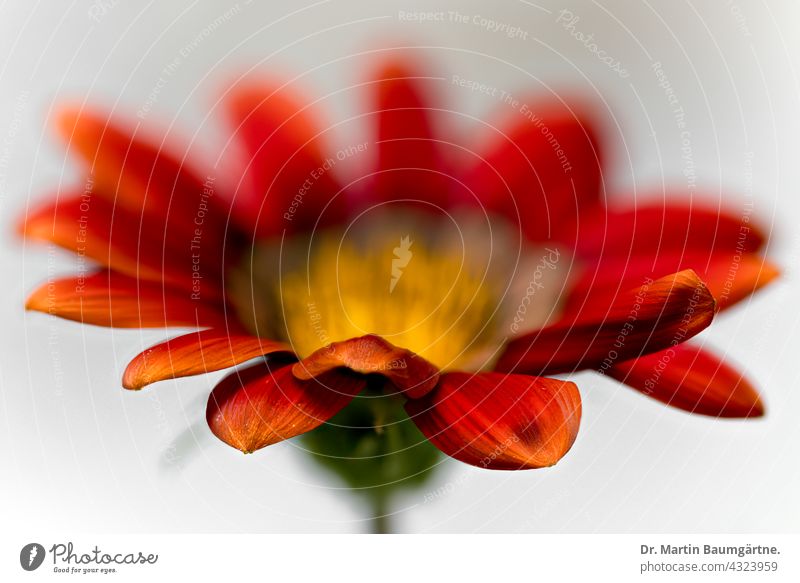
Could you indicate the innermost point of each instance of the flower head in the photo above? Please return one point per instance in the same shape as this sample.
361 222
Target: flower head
451 276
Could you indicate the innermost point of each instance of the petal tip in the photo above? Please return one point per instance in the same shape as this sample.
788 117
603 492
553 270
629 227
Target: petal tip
36 301
768 273
755 408
132 382
66 120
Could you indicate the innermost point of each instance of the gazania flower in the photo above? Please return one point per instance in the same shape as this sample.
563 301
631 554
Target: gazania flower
451 276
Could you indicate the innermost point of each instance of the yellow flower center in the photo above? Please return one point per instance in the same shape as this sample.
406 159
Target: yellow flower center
448 291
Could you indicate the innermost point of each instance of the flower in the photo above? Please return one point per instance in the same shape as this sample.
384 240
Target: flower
451 275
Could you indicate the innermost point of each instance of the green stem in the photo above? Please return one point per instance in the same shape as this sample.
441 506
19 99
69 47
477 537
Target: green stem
380 523
376 450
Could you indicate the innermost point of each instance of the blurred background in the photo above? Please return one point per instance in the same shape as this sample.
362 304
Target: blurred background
78 453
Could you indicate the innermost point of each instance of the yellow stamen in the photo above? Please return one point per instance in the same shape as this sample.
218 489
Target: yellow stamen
435 305
453 297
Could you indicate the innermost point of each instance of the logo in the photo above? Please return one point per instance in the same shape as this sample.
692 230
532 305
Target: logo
31 556
402 255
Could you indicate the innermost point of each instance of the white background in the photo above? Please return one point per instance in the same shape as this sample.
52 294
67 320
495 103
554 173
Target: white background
78 453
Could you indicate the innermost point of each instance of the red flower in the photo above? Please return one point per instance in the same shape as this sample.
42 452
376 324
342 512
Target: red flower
494 255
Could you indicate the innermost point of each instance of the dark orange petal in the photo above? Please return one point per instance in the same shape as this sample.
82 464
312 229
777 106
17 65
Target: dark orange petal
196 353
658 314
543 172
117 301
411 374
500 422
132 244
287 179
410 161
89 226
693 379
730 278
265 404
651 229
145 178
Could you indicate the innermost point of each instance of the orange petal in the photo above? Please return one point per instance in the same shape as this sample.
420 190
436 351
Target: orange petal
265 404
411 374
144 178
195 353
732 281
730 277
660 313
132 244
501 422
693 379
90 226
114 300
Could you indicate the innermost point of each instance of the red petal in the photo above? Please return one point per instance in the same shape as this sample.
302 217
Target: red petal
410 161
145 179
117 301
729 278
651 229
501 422
128 243
660 313
259 406
287 180
195 353
411 374
693 379
543 173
